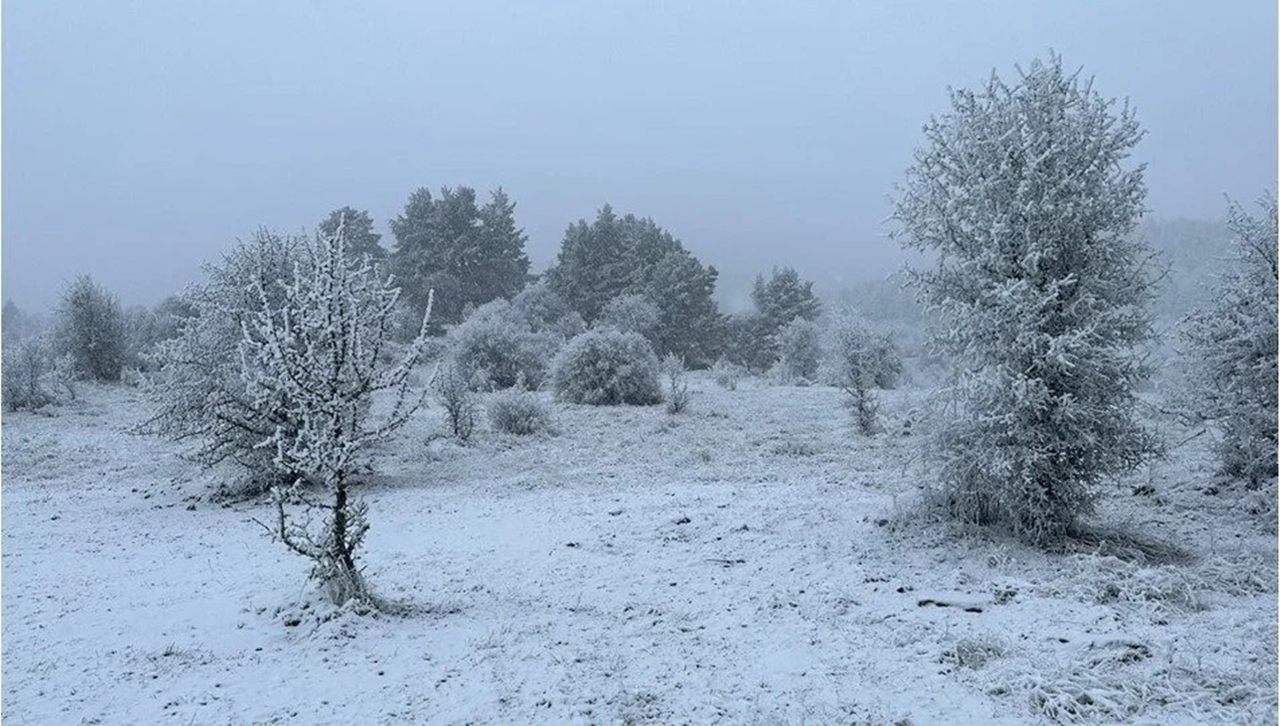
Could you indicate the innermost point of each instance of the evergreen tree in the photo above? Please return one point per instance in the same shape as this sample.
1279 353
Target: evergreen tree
619 256
450 244
361 239
1043 293
592 267
785 297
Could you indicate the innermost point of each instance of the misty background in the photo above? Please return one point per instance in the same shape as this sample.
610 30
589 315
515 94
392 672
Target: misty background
141 138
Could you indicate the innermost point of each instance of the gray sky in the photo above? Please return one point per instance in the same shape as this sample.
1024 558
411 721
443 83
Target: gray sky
140 138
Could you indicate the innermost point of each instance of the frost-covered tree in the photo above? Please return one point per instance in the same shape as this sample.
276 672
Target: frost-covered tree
1234 340
91 329
200 394
314 347
859 360
361 239
1023 194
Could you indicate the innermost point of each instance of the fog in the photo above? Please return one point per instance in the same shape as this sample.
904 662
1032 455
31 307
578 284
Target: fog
142 138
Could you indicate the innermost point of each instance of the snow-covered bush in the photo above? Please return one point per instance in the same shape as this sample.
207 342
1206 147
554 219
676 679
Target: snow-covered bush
1043 294
493 346
673 368
312 350
518 412
1233 379
799 351
91 329
851 345
855 354
726 374
543 311
605 367
26 369
629 314
454 391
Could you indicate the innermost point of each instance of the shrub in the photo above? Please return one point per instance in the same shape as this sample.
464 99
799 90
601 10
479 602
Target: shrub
677 383
850 342
629 314
25 372
91 328
607 368
799 350
493 347
726 374
518 412
453 390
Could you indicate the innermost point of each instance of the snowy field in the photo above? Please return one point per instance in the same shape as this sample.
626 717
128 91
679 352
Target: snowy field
750 561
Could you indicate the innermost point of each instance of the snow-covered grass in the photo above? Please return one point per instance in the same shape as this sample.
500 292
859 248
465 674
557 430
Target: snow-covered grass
751 560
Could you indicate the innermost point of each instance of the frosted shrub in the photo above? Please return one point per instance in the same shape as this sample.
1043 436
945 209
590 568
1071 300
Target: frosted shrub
1043 294
677 383
499 350
25 371
854 354
726 374
1233 379
454 391
629 314
851 345
799 351
607 368
518 412
543 311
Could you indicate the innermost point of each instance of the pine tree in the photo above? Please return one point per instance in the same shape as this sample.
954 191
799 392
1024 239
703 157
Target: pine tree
361 239
785 297
592 266
1022 192
451 244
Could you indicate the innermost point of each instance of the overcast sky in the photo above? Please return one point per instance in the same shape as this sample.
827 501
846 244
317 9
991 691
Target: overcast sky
142 138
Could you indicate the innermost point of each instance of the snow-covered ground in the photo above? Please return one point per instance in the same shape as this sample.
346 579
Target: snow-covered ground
750 561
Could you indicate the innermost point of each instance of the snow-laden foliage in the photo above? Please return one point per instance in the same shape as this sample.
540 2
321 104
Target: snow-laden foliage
853 348
495 348
32 377
518 412
675 371
200 395
454 391
628 314
1233 380
800 352
91 329
856 357
313 347
539 307
605 368
1022 193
